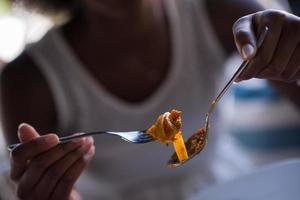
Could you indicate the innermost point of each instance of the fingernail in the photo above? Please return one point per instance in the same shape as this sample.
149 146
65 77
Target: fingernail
22 128
90 140
85 148
22 125
90 153
247 51
51 139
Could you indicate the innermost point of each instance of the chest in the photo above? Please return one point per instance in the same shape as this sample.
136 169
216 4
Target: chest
131 75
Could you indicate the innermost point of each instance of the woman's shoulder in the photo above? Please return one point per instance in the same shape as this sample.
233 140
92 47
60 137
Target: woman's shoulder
25 94
22 72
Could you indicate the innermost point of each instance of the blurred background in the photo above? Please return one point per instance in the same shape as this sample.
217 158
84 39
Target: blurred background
254 131
17 28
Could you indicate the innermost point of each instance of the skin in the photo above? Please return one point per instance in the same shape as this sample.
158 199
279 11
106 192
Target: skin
45 169
144 30
278 58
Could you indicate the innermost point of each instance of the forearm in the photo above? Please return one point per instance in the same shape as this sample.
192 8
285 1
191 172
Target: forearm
224 13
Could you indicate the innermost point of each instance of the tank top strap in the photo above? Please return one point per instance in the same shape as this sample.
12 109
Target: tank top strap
54 62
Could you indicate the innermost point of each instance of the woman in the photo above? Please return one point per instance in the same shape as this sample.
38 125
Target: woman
116 65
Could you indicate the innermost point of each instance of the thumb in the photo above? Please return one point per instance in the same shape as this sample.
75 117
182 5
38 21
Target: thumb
27 133
244 37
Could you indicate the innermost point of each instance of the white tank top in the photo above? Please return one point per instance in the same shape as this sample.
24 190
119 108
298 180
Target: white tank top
122 170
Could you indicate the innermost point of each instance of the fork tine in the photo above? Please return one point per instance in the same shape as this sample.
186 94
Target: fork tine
143 138
143 141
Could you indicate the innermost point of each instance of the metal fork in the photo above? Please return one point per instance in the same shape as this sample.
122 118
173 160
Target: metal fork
137 137
242 67
193 148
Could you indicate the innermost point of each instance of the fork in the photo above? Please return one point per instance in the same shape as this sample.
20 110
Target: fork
199 137
137 137
242 67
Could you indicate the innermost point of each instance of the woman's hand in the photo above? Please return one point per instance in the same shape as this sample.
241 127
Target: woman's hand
44 169
279 56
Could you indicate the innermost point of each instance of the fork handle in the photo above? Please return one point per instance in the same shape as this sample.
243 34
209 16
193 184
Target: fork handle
243 65
230 82
79 135
62 139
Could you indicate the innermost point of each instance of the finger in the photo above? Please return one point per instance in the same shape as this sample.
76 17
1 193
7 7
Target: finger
66 183
27 151
39 165
293 67
55 172
75 195
244 37
26 133
284 51
274 21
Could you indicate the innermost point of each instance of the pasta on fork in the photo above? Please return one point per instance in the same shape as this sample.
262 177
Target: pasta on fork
167 130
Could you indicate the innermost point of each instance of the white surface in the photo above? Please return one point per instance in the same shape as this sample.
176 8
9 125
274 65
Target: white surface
275 182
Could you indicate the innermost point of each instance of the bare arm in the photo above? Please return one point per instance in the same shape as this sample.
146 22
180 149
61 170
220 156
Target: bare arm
25 97
278 59
40 167
224 13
